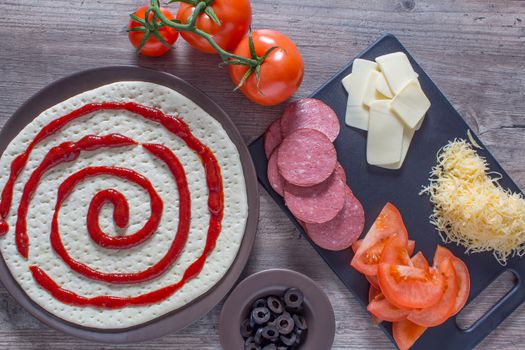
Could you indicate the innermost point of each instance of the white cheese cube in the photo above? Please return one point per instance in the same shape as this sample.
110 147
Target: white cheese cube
411 104
397 70
385 135
382 86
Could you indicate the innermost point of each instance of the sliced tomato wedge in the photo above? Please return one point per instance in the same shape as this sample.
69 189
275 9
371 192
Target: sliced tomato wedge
388 223
395 252
406 333
462 275
440 312
372 293
373 281
411 246
383 310
410 287
356 245
420 261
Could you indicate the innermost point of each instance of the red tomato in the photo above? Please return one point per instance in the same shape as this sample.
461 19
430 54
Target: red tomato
388 223
372 280
440 312
395 252
411 245
406 333
356 245
281 73
420 262
462 275
153 46
410 287
235 17
372 293
383 310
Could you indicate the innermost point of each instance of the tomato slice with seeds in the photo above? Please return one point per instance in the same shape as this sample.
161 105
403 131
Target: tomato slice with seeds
395 252
371 279
388 223
385 311
462 275
411 245
420 261
440 312
406 333
410 287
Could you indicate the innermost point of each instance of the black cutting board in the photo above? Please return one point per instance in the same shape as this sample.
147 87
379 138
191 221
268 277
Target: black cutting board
374 187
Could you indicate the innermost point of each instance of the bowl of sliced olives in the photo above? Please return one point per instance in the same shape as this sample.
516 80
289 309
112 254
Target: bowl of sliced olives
277 310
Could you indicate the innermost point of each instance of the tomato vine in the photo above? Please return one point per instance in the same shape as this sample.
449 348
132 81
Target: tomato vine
154 19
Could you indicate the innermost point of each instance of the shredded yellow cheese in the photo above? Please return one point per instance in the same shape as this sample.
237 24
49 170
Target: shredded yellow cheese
470 206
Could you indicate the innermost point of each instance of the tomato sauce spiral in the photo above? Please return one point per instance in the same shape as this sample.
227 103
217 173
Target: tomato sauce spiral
69 151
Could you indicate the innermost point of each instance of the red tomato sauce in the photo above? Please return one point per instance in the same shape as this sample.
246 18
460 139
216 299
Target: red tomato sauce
70 151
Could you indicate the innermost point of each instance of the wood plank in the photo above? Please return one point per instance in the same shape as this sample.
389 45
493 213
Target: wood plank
473 49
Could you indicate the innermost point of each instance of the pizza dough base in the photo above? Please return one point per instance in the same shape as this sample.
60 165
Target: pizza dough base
72 218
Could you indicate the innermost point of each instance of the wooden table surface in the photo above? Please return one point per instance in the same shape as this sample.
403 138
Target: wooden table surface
473 49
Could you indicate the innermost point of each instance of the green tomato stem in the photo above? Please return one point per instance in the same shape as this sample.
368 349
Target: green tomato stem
190 26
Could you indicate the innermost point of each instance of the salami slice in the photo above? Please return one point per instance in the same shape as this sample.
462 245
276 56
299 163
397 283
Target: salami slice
343 230
272 137
310 113
316 204
340 171
274 178
306 158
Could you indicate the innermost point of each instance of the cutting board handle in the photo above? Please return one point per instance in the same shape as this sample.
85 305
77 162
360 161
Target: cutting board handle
499 311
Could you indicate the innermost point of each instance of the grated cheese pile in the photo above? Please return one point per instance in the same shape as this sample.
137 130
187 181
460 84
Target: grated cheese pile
471 208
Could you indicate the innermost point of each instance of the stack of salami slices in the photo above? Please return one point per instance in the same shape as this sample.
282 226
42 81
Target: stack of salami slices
303 168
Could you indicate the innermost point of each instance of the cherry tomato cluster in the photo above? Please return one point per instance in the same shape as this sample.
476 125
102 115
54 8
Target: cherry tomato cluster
265 64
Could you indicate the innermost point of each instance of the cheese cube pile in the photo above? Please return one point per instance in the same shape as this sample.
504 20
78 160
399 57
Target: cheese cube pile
386 99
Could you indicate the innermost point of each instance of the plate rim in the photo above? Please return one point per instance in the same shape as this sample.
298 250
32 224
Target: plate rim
59 90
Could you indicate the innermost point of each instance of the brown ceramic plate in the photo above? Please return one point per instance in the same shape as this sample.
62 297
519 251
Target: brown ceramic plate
180 318
318 311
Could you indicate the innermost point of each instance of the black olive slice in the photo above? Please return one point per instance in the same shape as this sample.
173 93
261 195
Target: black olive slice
258 336
299 338
246 329
249 340
270 347
285 324
300 322
288 340
293 298
259 303
270 333
252 346
275 305
260 315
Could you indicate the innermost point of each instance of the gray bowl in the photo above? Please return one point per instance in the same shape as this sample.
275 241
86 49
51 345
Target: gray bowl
318 311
